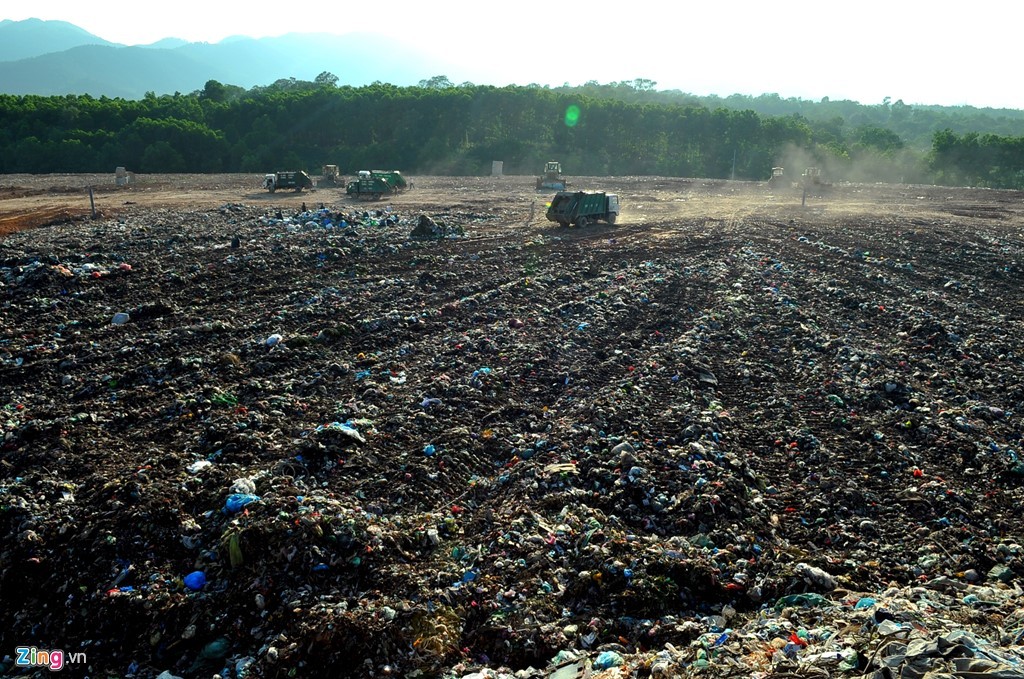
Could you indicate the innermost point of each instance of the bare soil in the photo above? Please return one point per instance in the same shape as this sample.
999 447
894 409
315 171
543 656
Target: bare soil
42 199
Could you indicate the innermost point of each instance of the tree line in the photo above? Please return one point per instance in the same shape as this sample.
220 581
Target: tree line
438 127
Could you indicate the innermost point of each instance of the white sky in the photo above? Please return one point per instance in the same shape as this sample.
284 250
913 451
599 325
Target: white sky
924 52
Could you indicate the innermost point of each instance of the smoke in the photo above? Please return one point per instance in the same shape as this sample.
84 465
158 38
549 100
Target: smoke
861 165
796 160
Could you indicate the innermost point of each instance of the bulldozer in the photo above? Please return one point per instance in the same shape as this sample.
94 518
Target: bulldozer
552 177
778 178
811 178
812 184
331 174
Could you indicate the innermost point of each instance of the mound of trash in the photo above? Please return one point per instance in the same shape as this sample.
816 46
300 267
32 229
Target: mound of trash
239 443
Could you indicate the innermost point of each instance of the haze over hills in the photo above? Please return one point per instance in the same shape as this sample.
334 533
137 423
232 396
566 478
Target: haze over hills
35 37
56 58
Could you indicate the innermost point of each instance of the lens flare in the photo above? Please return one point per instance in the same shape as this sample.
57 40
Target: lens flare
572 115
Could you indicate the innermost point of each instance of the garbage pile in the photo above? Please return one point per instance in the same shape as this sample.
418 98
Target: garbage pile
426 227
243 444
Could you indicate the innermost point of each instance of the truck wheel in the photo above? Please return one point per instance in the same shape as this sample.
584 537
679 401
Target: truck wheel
582 222
611 218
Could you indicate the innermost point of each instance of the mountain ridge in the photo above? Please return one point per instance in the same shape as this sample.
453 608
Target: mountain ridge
55 58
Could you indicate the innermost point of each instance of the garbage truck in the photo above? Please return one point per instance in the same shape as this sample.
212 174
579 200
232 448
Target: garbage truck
394 178
583 207
297 180
367 185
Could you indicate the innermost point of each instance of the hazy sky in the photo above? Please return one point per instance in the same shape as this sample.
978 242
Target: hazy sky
917 51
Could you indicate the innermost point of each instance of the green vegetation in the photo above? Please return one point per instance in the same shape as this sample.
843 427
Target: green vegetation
438 127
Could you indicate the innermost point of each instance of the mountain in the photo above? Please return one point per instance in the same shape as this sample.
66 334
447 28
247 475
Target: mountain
35 37
167 43
85 64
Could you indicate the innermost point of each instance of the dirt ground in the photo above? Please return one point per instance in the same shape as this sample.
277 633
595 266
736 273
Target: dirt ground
653 442
28 200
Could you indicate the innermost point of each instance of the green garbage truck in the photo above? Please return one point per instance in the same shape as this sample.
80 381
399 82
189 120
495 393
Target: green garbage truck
394 179
369 186
583 207
287 180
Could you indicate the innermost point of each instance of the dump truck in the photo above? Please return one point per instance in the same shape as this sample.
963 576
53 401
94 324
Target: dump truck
552 177
583 207
297 180
366 185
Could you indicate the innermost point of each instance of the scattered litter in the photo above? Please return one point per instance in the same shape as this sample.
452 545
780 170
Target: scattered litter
411 442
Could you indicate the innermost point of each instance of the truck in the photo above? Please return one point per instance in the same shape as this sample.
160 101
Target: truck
393 177
583 207
297 180
366 185
552 177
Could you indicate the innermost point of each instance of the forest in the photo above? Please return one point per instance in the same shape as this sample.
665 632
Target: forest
438 127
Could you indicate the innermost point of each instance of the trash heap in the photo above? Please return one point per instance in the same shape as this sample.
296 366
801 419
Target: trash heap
427 227
242 444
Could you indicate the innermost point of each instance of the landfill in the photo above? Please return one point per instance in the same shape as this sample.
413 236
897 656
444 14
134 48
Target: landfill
729 436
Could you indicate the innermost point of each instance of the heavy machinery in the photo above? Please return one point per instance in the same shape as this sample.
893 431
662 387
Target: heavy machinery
812 184
552 177
331 174
811 178
393 177
583 207
777 179
297 180
366 185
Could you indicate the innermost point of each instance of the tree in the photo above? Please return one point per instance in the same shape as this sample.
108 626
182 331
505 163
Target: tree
326 79
161 157
438 82
878 138
213 91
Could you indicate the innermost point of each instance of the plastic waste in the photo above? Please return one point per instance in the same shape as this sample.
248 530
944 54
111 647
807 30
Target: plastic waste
237 501
195 580
607 659
198 466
